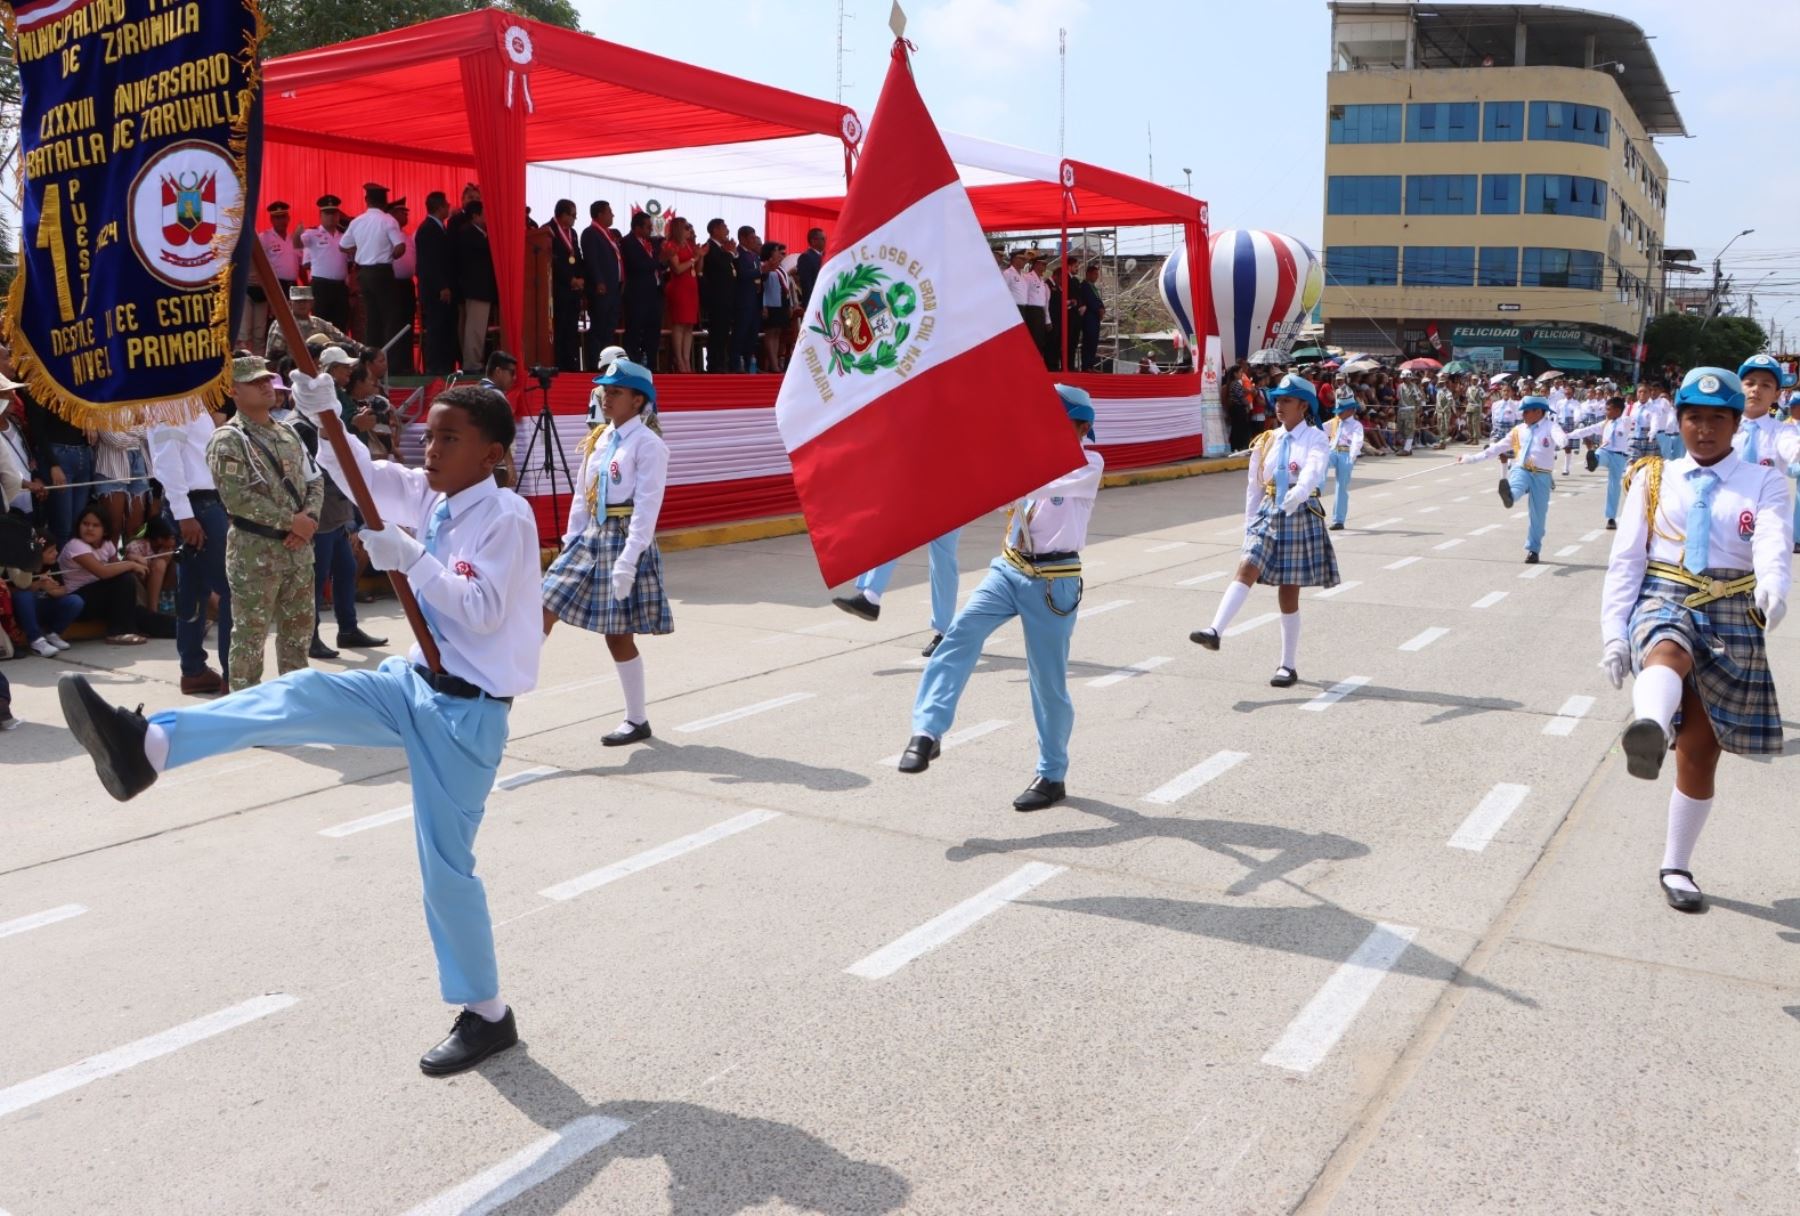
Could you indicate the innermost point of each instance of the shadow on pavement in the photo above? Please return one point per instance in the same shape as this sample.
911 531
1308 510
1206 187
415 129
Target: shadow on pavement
1454 707
725 765
719 1163
1783 912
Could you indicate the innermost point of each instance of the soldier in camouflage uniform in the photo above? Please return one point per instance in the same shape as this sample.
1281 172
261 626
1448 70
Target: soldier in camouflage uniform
301 298
1446 409
1477 422
273 492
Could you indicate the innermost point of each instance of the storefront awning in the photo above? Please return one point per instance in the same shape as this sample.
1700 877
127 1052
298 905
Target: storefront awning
1565 358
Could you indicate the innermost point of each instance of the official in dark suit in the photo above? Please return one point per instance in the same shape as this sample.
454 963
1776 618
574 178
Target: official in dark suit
643 292
806 266
718 295
600 252
568 287
747 324
1090 309
476 287
437 285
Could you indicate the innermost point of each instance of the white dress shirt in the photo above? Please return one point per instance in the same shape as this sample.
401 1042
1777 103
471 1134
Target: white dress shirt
1015 285
1666 418
178 454
1752 529
372 238
1615 436
1307 459
407 264
1345 434
1506 411
1037 291
480 585
321 250
1777 444
1054 518
284 254
638 473
1538 442
15 469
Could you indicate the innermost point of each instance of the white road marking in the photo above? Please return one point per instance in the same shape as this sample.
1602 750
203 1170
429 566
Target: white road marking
1489 600
940 929
542 1159
1381 523
1254 622
1097 609
957 738
1180 787
526 777
107 1063
1462 498
1568 551
381 819
37 920
1424 639
1449 544
1590 537
1485 529
1533 571
1337 692
1572 712
1489 816
733 715
204 773
1125 673
593 879
1428 510
590 682
1337 590
1201 578
1312 1034
1174 544
1383 494
1403 563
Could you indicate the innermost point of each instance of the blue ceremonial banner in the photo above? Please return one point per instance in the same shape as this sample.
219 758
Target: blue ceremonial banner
139 133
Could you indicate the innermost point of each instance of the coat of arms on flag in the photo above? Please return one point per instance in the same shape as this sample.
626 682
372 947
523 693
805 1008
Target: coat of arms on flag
190 208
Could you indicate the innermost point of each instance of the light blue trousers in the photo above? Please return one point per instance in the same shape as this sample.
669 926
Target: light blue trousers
1615 464
943 579
1340 469
1004 594
1535 489
453 747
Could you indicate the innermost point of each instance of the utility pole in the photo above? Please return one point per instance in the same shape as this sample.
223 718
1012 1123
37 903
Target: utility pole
1062 89
1719 284
843 16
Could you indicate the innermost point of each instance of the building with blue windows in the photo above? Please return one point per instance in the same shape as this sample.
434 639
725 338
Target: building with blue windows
1492 177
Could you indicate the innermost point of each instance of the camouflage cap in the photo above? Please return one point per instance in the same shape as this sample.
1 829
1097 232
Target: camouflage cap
246 368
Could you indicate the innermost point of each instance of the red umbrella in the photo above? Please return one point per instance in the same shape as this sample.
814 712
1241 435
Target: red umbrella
1421 365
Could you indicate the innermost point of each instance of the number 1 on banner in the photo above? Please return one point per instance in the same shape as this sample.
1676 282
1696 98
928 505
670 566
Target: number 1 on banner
50 236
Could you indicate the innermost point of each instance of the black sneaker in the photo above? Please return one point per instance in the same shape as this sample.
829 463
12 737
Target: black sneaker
858 605
1612 525
472 1040
113 736
1531 557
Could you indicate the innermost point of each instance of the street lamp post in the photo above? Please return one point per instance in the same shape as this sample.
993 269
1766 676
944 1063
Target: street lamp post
1719 276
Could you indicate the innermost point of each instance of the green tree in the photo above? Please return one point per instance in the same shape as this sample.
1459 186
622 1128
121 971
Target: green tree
298 25
1688 341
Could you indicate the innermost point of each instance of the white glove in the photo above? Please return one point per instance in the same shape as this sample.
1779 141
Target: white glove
314 395
621 585
1616 661
1292 502
1772 606
390 548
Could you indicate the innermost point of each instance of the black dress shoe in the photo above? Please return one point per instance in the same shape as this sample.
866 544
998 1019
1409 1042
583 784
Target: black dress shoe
858 605
112 735
1612 525
1335 528
937 640
1041 793
1645 745
356 639
631 732
319 650
1506 497
1284 677
1531 557
920 751
1208 638
472 1040
1681 901
1593 461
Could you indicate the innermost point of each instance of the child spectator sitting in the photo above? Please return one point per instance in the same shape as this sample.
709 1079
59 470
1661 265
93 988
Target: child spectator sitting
108 585
42 606
155 549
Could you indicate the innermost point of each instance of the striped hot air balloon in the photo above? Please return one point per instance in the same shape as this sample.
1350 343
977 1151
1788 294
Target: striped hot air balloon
1260 280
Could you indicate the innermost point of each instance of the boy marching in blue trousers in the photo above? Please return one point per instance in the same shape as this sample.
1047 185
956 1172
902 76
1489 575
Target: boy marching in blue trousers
1345 433
1533 445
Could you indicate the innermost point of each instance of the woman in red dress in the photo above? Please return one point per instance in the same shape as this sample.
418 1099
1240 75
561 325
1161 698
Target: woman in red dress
681 295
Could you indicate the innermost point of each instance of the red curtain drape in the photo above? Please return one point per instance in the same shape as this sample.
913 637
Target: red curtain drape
497 133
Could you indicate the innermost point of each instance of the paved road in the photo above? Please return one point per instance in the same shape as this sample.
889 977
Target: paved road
1388 941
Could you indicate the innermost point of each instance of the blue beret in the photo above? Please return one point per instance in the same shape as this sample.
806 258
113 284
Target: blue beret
1295 385
626 374
1077 405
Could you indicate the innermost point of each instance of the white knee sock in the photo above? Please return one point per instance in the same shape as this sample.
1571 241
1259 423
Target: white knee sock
156 747
873 596
631 683
490 1011
1686 817
1290 640
1235 595
1656 694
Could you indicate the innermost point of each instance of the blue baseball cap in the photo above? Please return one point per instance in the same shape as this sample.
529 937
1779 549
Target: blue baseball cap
1077 405
1295 385
1765 363
1712 386
626 374
1535 401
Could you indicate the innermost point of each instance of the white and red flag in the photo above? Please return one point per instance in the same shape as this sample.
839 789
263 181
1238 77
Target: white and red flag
916 400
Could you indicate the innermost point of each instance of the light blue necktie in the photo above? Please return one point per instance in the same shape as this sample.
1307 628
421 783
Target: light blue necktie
1281 468
1699 521
1750 445
439 517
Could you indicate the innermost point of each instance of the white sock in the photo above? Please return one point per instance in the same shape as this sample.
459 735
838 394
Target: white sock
1656 694
156 747
1290 640
873 596
1235 595
490 1011
631 683
1686 817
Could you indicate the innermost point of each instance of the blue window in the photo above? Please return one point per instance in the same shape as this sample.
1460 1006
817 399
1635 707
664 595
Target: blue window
1502 121
1362 196
1443 122
1440 266
1500 194
1578 268
1571 123
1499 266
1362 265
1565 194
1441 194
1365 124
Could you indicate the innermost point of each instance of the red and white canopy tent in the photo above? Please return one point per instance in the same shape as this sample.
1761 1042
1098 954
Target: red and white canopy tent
533 112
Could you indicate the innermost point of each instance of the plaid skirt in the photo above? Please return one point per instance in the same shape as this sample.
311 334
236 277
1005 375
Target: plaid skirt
1731 666
1291 550
578 585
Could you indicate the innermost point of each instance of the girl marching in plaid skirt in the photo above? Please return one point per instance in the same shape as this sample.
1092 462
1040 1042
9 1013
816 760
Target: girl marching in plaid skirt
1699 571
1286 545
609 576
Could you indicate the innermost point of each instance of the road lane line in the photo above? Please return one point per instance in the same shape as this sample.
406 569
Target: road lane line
1485 529
1337 590
1489 600
1174 544
733 715
1403 563
1449 544
37 920
581 884
1383 494
1317 1028
1489 816
536 1163
1125 673
1428 510
1590 537
1462 498
1097 609
201 773
1532 571
1201 578
1424 639
1254 622
957 738
1567 718
380 819
1180 787
1381 523
107 1063
526 777
1337 692
940 929
1568 551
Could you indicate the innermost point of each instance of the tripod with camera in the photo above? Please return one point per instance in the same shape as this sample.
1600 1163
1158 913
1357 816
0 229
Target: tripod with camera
553 460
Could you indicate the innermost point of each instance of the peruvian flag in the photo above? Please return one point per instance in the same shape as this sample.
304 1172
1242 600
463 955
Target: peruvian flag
915 400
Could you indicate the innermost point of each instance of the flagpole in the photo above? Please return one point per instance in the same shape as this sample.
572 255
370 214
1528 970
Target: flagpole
331 427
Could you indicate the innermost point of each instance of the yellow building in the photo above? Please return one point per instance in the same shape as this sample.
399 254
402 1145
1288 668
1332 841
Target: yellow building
1491 185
